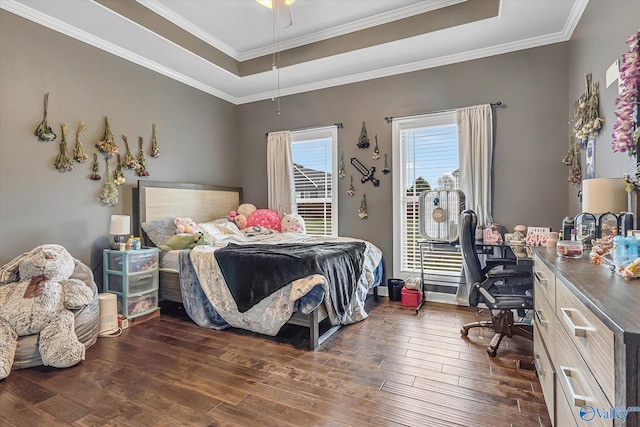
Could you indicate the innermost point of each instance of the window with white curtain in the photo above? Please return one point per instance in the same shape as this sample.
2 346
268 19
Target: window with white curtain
315 171
425 157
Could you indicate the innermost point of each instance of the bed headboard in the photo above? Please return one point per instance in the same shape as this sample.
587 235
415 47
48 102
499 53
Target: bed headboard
158 200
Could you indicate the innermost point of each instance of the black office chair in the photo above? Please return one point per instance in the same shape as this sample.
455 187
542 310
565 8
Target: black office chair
501 289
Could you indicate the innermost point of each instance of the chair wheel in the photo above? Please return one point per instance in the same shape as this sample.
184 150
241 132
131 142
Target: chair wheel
464 332
492 352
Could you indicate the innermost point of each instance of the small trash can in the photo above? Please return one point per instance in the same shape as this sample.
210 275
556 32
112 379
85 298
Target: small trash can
395 289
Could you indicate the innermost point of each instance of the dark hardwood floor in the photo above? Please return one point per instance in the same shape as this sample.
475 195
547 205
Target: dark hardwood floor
395 368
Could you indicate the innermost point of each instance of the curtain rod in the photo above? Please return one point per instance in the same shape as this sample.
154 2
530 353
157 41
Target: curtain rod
339 125
389 119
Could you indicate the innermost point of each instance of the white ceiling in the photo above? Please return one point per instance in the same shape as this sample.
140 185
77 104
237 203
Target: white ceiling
243 30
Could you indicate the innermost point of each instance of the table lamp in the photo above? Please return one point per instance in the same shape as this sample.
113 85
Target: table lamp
119 227
605 198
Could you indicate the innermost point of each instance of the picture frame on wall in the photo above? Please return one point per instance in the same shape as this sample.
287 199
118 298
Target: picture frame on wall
590 170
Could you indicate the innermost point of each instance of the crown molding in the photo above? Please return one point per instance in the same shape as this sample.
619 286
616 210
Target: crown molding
414 66
71 31
351 27
168 14
357 25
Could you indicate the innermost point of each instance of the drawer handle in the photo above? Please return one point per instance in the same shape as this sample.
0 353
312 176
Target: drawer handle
541 320
541 278
578 399
536 364
578 331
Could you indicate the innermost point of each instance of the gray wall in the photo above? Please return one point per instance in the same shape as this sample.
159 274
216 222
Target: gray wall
599 39
530 134
538 87
196 134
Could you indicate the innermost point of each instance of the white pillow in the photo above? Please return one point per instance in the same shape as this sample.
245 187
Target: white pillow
218 230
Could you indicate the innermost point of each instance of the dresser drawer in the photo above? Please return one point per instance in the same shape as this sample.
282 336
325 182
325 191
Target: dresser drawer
546 281
564 412
544 319
577 384
544 370
593 340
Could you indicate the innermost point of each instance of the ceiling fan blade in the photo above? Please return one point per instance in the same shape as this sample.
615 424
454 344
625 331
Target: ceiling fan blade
282 14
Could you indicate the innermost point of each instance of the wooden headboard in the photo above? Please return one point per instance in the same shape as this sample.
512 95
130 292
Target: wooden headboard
158 200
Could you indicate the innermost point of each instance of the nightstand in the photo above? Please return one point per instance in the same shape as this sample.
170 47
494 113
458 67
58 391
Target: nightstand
133 277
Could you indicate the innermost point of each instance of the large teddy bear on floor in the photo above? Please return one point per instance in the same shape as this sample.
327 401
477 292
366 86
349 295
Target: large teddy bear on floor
39 304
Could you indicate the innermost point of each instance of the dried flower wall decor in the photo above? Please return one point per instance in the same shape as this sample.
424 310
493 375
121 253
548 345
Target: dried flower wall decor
626 130
118 176
63 163
376 150
155 152
106 144
363 141
109 194
141 169
586 115
341 172
129 161
95 175
351 191
363 211
385 169
43 130
572 161
79 155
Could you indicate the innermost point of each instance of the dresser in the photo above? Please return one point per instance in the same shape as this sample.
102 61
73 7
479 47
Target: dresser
586 341
133 277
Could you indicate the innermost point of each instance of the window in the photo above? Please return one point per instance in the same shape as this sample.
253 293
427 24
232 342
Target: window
315 171
425 157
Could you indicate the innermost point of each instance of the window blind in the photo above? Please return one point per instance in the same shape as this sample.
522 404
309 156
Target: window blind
426 158
315 172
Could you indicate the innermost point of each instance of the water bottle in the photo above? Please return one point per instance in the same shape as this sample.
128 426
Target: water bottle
619 251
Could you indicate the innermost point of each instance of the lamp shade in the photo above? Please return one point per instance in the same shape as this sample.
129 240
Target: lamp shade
120 225
601 195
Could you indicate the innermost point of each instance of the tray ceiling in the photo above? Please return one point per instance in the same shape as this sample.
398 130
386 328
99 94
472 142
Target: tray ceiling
225 47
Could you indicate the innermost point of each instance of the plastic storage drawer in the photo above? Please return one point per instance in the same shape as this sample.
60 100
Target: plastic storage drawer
140 260
139 305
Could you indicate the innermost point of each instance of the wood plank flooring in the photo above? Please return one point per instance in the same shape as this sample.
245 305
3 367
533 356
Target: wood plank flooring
395 368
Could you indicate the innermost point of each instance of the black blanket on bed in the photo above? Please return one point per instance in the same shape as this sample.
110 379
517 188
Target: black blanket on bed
253 272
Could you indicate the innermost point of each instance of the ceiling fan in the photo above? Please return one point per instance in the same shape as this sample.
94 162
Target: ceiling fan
281 11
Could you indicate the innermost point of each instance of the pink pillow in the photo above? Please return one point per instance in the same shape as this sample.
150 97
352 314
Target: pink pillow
264 218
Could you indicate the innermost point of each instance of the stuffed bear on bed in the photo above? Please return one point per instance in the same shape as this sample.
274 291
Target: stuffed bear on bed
39 304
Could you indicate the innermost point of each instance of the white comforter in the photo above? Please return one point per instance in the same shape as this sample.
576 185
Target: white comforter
268 316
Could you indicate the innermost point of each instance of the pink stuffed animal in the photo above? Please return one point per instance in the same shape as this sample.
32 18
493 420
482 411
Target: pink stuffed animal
239 219
186 225
265 218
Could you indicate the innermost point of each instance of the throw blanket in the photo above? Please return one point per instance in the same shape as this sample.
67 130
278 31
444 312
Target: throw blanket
253 272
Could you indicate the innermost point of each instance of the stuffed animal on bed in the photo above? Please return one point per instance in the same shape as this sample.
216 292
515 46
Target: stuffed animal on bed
186 225
186 241
39 304
264 218
238 219
246 209
292 223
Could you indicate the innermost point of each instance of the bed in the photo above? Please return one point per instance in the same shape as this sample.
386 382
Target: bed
200 279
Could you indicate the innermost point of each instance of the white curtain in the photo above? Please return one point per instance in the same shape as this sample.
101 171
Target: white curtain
475 146
281 187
